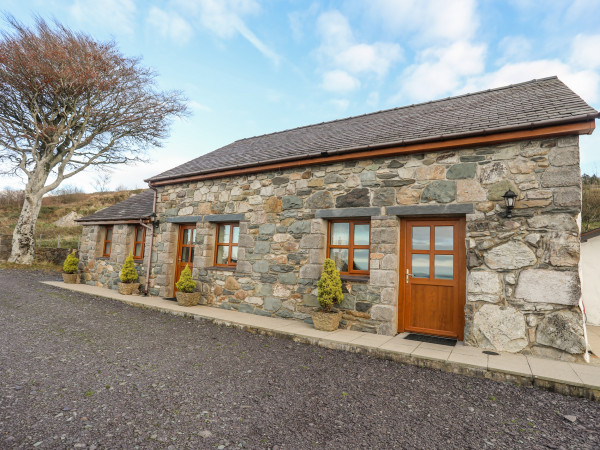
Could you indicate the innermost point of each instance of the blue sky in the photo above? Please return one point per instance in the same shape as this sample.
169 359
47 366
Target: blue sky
251 67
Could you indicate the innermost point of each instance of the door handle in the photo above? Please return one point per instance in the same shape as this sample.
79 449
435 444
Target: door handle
408 275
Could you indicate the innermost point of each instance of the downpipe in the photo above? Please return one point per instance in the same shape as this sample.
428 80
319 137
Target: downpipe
151 228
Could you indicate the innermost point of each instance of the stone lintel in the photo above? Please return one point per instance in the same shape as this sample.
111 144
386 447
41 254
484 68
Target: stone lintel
184 219
347 212
430 210
224 217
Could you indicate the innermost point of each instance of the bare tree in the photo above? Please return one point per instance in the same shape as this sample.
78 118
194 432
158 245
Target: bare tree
68 102
102 182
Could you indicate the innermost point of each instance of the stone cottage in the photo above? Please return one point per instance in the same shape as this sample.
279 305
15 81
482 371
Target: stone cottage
408 202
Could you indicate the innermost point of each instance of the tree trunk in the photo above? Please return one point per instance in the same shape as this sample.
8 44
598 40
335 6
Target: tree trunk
23 242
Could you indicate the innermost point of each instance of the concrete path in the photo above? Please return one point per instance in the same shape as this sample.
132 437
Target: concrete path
594 339
582 380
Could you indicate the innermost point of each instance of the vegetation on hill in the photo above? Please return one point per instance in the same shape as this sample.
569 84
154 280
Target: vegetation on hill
590 215
53 208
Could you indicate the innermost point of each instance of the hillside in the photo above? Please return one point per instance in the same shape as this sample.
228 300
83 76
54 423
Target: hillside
590 215
53 208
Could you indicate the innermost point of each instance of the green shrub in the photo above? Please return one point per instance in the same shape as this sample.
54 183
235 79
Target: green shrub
329 286
186 283
128 272
71 263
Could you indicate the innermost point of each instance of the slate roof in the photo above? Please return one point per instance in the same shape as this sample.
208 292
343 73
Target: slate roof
526 105
134 208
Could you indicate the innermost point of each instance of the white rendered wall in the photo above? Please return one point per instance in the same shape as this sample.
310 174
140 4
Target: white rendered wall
590 283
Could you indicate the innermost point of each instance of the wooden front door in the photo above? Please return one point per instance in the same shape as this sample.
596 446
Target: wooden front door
185 250
432 277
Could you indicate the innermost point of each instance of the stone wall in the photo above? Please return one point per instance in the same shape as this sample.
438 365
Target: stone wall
522 282
101 271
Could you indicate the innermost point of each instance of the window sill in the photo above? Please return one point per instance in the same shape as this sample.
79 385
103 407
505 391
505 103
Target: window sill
222 268
103 258
356 278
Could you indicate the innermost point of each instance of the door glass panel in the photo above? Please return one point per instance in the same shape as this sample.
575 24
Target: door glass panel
224 233
107 248
420 238
444 267
361 234
340 233
444 238
185 254
138 234
236 235
222 254
360 259
192 255
109 234
420 266
340 257
234 251
186 236
194 236
138 250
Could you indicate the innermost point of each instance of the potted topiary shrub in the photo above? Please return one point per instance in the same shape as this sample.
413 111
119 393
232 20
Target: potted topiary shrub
70 268
186 296
329 293
128 277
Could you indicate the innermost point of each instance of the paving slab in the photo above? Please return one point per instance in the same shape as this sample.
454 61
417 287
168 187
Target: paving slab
512 363
371 340
556 371
430 353
590 375
478 361
400 345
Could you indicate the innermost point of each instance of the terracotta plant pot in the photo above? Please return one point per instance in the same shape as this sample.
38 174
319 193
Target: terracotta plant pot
326 321
70 278
128 288
187 298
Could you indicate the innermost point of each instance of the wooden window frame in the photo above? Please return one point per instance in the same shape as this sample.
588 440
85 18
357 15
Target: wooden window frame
350 247
142 242
229 244
105 241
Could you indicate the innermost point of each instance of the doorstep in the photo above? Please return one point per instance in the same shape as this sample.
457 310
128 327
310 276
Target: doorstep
581 380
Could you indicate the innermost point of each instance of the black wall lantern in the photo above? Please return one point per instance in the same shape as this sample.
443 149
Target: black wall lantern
509 198
153 219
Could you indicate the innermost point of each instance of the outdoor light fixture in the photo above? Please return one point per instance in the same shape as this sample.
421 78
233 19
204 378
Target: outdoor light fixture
153 219
509 198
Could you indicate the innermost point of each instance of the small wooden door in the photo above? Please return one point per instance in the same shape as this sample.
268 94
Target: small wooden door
185 250
432 277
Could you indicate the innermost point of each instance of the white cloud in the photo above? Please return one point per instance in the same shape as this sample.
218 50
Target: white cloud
298 20
514 48
585 51
340 50
583 82
430 20
441 71
170 25
118 16
339 81
224 19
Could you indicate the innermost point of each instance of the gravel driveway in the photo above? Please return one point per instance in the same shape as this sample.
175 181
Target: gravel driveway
77 371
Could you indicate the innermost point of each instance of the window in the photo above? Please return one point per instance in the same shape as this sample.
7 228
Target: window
139 242
348 245
107 241
226 253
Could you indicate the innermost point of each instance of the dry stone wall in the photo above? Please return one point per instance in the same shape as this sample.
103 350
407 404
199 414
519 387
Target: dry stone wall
523 285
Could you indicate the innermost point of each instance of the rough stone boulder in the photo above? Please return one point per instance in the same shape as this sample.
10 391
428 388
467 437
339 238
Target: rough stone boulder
511 255
484 286
548 286
500 328
562 330
68 220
